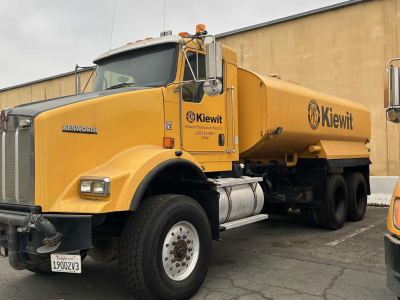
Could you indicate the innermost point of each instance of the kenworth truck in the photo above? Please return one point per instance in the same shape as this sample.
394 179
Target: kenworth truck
174 145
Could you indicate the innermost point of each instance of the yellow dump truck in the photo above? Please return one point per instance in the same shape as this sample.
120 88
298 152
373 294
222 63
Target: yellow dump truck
174 144
392 239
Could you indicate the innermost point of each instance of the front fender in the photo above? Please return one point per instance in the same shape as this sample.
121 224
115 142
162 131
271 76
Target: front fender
129 173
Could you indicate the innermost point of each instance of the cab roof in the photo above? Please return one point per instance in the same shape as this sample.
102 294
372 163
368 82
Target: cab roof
146 43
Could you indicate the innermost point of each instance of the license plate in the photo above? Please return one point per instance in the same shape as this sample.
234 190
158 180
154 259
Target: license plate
66 263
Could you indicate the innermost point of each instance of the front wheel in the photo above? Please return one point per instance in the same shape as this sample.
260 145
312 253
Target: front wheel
165 248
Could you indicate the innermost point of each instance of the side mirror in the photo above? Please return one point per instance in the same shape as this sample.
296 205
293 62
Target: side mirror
213 60
213 86
392 94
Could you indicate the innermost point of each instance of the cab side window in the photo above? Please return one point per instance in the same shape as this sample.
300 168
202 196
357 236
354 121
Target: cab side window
193 92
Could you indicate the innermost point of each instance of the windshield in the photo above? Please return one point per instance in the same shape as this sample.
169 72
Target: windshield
150 66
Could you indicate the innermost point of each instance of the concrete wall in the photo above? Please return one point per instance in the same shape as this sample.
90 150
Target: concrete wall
342 52
53 88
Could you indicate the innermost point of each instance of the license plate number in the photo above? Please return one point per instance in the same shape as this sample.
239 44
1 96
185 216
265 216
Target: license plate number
66 263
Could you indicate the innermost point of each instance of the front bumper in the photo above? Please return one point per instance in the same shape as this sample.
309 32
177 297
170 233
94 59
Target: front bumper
392 261
75 234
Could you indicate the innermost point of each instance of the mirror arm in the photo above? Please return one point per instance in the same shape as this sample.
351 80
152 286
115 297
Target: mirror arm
187 60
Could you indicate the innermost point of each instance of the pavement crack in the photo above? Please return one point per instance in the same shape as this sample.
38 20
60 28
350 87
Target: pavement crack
333 282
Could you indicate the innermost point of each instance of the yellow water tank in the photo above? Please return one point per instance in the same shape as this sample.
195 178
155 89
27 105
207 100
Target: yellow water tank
305 115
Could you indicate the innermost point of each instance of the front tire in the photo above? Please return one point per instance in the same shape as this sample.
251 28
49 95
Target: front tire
165 248
334 216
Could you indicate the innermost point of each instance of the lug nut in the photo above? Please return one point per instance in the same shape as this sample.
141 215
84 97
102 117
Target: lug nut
190 249
173 260
171 252
178 265
188 241
187 257
184 236
173 243
183 263
178 237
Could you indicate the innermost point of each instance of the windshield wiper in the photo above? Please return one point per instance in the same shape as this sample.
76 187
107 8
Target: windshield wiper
117 86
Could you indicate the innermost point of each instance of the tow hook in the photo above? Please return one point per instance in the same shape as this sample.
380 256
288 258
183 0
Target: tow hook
24 223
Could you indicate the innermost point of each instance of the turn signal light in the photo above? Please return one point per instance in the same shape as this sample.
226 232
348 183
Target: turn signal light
200 28
168 142
183 34
396 213
150 38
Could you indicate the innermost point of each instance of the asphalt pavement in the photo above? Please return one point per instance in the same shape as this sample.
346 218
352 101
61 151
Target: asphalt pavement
279 258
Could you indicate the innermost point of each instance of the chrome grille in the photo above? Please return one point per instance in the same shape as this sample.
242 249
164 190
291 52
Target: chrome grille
17 164
10 166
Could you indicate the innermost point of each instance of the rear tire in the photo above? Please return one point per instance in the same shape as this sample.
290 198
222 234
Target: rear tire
309 216
334 216
165 231
357 192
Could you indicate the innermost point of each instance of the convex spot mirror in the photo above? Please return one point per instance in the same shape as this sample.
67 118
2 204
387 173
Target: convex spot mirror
212 87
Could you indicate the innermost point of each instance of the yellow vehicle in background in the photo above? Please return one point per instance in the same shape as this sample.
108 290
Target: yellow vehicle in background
392 239
174 145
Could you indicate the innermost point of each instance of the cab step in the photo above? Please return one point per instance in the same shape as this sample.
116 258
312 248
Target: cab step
242 222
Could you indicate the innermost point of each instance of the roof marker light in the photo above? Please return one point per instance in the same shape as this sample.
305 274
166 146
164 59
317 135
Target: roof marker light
200 28
149 38
139 41
183 34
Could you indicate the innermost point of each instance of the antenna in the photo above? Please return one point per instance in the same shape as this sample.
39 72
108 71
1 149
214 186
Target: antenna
112 25
164 15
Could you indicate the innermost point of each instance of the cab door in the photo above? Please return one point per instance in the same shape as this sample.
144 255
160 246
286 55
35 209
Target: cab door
204 118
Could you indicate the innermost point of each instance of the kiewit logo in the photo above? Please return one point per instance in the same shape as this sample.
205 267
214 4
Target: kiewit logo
199 117
314 115
329 119
190 116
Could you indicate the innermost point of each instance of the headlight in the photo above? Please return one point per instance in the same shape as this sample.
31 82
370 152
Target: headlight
96 186
396 213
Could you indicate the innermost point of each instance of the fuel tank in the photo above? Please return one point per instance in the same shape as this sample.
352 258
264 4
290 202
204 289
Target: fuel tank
306 117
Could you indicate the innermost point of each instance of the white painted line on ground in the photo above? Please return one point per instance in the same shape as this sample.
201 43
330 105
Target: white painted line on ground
346 237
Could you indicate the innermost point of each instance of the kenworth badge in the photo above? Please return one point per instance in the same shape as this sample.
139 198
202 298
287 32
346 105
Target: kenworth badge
79 129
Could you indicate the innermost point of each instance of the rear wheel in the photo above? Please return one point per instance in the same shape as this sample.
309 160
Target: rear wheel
357 191
334 216
309 216
165 248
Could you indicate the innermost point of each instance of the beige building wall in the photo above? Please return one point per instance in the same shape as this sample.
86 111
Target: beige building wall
46 89
341 52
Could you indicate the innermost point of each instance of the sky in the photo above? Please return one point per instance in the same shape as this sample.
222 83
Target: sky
42 38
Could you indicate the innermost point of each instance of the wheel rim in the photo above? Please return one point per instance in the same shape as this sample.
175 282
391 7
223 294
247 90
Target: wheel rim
338 202
180 251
